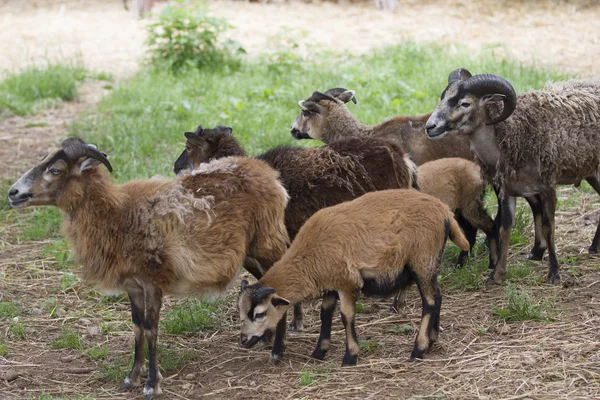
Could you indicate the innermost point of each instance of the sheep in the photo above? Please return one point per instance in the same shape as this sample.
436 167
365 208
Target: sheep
376 244
314 177
541 138
150 238
325 117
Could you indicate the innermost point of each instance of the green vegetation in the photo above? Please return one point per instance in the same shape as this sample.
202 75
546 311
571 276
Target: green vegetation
34 88
191 316
45 223
185 35
8 309
59 250
522 306
311 373
97 353
67 340
17 329
3 348
368 345
401 329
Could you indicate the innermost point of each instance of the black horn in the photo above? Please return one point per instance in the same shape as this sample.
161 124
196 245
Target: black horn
492 84
335 92
76 151
460 74
318 96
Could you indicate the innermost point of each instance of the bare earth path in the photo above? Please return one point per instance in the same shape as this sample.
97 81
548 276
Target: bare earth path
477 356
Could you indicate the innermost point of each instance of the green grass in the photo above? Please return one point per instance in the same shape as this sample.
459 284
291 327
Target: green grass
59 250
8 309
401 329
311 373
522 306
43 223
3 348
98 353
191 316
141 123
17 329
34 88
67 340
368 345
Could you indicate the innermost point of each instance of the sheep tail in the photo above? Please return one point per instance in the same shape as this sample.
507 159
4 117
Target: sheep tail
456 234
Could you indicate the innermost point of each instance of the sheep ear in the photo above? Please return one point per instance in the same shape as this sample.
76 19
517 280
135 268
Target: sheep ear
225 130
243 285
493 98
279 301
347 96
460 74
303 104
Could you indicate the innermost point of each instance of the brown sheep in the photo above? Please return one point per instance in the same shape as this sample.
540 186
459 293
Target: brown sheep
315 177
377 245
155 237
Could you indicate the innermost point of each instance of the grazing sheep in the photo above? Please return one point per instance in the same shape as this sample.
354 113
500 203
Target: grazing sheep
315 177
153 237
377 245
542 138
325 117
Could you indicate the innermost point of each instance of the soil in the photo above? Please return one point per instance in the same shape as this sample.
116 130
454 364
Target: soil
477 356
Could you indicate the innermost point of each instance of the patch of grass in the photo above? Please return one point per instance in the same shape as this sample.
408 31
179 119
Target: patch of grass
98 353
50 305
67 281
116 370
3 348
522 306
306 378
171 360
401 329
368 345
44 223
471 276
36 124
311 373
522 272
59 250
192 316
150 112
34 88
8 309
360 307
482 331
520 230
17 329
67 340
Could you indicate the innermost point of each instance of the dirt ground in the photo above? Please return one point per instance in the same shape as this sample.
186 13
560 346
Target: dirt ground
478 356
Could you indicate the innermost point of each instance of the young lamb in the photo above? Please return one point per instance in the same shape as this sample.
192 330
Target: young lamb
542 138
315 177
377 245
154 237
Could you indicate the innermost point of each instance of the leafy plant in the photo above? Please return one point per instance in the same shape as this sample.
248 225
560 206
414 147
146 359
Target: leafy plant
97 353
3 348
67 340
522 306
8 310
17 329
186 35
192 316
59 250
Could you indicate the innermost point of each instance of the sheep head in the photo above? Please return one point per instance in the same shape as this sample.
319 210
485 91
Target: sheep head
467 102
55 177
260 309
318 110
202 146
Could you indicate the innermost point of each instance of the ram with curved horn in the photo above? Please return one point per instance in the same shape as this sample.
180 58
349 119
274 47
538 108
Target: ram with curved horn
540 139
149 238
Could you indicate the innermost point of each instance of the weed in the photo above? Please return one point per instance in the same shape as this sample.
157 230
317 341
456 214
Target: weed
310 374
368 345
522 306
17 329
36 124
67 340
185 35
59 250
3 348
306 378
482 331
33 88
98 353
44 224
401 329
8 310
522 221
67 280
50 305
116 370
192 316
360 307
171 360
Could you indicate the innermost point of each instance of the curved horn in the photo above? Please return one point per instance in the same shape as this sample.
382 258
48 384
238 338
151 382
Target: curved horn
492 84
460 74
71 141
318 96
76 151
335 92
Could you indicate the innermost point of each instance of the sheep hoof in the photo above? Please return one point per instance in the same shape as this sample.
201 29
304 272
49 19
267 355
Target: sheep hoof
591 250
276 358
128 384
536 254
491 282
416 353
393 310
319 354
349 360
296 326
553 279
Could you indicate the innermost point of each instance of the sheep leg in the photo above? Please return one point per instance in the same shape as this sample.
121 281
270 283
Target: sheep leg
548 199
476 215
540 245
431 298
507 209
348 310
297 318
136 299
327 309
253 266
153 305
470 233
279 342
399 301
593 249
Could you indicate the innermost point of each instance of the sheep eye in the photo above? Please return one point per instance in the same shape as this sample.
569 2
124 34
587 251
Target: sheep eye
260 315
188 148
466 105
55 171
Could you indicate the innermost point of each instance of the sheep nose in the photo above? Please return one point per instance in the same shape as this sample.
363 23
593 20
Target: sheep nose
12 193
430 127
243 339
